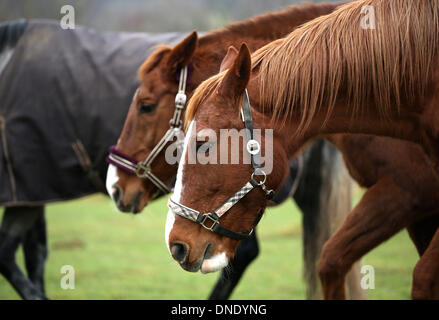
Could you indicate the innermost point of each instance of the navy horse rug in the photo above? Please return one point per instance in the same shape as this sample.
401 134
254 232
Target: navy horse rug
64 96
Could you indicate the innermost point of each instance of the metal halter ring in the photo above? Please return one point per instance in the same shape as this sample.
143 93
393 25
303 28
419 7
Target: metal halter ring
215 222
253 147
142 170
177 125
260 172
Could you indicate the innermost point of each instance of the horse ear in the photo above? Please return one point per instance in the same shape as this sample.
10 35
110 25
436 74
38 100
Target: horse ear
182 54
231 55
236 79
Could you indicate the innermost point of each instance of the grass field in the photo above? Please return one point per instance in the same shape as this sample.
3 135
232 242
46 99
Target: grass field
119 256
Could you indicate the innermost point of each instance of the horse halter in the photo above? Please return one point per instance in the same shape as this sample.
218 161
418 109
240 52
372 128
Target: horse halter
143 168
254 149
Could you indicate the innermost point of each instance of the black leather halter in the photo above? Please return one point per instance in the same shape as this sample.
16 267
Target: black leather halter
210 220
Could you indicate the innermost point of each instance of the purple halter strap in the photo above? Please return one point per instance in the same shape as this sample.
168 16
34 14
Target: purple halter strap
121 160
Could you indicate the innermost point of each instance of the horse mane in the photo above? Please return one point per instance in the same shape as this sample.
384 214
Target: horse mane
271 25
309 68
266 26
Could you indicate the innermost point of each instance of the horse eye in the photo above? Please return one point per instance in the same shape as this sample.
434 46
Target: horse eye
146 108
203 146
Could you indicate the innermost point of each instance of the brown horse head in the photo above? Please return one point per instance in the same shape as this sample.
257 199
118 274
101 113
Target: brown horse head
214 113
147 121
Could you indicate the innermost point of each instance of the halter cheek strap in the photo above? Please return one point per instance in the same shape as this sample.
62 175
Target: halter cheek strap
210 221
143 169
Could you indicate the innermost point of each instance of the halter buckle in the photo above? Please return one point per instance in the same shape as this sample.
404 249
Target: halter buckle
269 193
215 222
180 100
142 170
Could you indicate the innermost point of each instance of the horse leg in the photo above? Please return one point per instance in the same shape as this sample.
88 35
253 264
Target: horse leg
421 232
246 252
324 197
384 210
426 273
337 204
35 250
17 221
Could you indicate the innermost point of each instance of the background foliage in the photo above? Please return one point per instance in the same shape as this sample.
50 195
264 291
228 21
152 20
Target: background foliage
145 15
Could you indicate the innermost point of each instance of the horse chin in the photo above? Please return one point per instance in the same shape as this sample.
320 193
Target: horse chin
215 263
144 200
136 206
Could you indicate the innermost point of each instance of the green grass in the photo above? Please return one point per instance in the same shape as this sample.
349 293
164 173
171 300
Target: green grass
119 256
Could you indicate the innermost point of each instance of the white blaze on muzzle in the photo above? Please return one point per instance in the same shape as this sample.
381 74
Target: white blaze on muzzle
111 180
215 263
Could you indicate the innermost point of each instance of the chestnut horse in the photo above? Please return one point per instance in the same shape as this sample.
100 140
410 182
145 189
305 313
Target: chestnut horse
153 107
343 61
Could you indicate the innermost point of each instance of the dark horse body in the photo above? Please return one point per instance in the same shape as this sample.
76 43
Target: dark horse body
63 98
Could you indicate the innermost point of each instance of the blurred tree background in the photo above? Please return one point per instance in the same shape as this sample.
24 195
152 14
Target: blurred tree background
145 15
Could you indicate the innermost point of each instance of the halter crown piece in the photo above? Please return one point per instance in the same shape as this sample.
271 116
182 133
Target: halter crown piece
143 168
210 221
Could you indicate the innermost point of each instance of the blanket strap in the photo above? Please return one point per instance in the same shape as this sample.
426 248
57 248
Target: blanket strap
4 143
85 162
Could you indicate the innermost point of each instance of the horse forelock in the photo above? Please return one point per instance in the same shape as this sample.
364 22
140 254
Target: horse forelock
381 66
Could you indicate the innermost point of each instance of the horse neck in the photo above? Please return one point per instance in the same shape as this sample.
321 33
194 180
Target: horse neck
341 121
255 32
369 123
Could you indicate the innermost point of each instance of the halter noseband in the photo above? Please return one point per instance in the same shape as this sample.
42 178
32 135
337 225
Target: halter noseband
210 221
142 169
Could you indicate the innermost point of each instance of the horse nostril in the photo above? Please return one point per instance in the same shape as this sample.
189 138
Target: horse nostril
179 251
117 193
